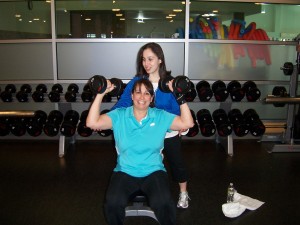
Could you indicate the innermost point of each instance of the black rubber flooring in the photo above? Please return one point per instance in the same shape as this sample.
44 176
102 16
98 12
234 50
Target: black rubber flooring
39 188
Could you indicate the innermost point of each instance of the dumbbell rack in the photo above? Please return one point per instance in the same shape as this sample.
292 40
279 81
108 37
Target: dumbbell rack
288 144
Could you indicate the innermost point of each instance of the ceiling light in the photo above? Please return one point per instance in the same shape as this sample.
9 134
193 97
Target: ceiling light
172 14
122 18
17 15
119 14
116 10
177 10
87 19
169 17
140 21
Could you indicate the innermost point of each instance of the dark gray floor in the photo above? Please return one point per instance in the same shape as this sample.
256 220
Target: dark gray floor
39 188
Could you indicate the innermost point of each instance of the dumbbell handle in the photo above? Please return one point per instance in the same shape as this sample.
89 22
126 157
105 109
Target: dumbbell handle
274 99
20 113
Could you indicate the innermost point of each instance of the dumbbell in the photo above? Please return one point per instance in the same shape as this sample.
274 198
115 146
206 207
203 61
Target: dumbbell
256 126
222 123
87 95
238 122
191 95
18 126
206 124
54 94
287 68
71 93
235 91
181 84
279 91
204 91
122 90
5 124
108 132
6 95
195 129
38 94
69 124
82 129
35 124
22 95
220 91
251 91
98 84
52 125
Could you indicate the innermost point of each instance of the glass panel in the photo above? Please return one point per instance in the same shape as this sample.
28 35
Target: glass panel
120 19
27 61
25 19
245 21
239 61
83 60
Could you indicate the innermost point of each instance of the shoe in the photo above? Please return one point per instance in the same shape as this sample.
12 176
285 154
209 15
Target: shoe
183 201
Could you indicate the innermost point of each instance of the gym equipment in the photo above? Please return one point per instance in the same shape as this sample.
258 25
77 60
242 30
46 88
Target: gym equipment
35 125
204 91
287 68
235 90
251 91
108 132
220 91
22 95
191 95
82 129
69 124
256 126
55 92
237 120
98 84
52 125
5 123
206 124
139 206
6 95
18 126
195 129
87 95
222 123
71 93
279 91
122 90
181 84
38 94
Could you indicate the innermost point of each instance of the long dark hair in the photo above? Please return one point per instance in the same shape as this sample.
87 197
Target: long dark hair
157 50
148 85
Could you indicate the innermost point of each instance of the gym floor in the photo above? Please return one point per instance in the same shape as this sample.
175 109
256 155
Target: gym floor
39 188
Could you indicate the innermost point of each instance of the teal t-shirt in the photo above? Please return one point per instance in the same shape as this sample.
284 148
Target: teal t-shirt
139 144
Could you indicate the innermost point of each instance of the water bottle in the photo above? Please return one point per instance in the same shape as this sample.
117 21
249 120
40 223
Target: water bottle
230 193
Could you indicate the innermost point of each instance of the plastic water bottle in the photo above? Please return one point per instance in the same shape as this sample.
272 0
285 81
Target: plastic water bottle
230 193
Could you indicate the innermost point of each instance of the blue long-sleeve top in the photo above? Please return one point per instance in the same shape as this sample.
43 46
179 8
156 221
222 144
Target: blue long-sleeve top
163 100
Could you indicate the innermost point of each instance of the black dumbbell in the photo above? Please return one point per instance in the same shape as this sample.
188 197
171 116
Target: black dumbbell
98 84
35 124
54 94
122 90
22 95
223 125
287 68
204 91
256 126
191 95
108 132
7 94
87 95
69 124
206 124
181 84
5 124
279 91
220 91
18 126
238 122
195 129
235 90
38 94
52 125
251 91
71 93
82 129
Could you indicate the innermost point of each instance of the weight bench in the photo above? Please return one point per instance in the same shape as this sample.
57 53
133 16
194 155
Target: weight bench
139 207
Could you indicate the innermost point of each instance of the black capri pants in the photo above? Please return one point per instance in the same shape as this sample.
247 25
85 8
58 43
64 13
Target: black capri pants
172 151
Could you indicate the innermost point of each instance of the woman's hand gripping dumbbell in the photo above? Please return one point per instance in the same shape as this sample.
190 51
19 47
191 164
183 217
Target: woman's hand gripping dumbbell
179 86
99 84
